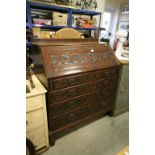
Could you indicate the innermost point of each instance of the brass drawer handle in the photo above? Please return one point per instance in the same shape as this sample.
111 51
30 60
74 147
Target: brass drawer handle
26 122
71 81
106 82
72 104
107 73
72 117
71 93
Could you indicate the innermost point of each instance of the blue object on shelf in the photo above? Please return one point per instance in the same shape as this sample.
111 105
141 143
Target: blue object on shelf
85 12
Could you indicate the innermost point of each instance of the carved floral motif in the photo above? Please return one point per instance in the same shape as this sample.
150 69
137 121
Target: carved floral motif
79 58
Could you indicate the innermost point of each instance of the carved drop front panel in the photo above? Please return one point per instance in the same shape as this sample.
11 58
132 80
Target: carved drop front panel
79 58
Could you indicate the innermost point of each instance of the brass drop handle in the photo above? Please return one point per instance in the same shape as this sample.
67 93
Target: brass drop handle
72 117
72 103
71 81
26 122
107 73
72 92
106 82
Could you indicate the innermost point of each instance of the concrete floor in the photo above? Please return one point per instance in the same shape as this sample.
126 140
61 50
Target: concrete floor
105 136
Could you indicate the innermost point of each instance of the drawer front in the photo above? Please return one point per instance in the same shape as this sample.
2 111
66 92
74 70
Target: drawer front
61 95
37 136
34 103
101 106
34 119
80 79
83 112
94 97
68 118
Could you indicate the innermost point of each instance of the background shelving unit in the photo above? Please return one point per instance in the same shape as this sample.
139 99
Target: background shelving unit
38 5
31 5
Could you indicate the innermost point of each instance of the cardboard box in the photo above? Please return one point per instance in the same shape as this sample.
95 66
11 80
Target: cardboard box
60 19
45 35
92 22
36 32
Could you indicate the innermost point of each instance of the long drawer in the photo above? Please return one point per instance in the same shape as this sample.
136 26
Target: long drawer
75 115
83 78
93 97
60 95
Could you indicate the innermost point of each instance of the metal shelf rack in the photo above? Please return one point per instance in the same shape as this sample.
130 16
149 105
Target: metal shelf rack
38 5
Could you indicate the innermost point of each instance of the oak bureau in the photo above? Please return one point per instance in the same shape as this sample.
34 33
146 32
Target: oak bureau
81 77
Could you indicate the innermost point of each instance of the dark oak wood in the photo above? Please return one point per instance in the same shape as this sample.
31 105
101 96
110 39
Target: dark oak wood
81 80
62 94
84 99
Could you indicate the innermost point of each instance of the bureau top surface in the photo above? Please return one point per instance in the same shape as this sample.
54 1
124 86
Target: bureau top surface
67 57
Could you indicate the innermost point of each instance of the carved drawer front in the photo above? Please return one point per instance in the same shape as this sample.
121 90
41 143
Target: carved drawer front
76 80
60 95
102 105
37 136
90 98
34 103
78 114
69 118
34 119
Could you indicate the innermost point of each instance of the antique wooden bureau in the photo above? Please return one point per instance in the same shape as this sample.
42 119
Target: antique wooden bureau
81 78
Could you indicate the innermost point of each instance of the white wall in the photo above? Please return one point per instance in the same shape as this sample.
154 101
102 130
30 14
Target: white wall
114 6
100 8
124 17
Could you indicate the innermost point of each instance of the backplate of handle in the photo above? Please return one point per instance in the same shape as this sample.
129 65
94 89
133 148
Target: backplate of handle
72 103
71 92
71 81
